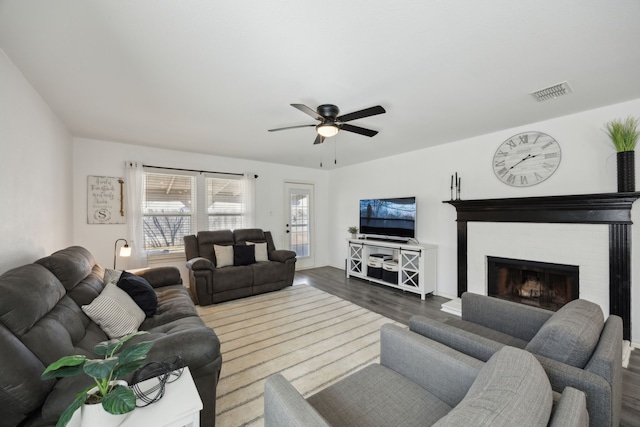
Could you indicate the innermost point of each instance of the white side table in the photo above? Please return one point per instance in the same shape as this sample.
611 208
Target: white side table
179 407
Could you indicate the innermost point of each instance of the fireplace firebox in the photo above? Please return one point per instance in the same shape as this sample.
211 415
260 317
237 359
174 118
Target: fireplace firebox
540 284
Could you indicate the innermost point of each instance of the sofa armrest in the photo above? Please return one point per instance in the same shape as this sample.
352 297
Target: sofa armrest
602 410
284 406
441 370
161 276
281 255
570 410
466 342
517 320
200 263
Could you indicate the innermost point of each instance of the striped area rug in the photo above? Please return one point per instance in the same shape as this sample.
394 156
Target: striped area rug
311 337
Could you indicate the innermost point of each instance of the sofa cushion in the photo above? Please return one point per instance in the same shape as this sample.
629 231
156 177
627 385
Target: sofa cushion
224 255
510 389
391 400
140 291
571 334
206 240
244 235
69 265
244 254
116 313
261 251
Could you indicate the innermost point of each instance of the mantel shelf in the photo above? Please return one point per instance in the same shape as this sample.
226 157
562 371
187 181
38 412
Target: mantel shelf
604 208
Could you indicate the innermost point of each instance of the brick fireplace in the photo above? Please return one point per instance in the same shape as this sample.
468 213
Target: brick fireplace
592 231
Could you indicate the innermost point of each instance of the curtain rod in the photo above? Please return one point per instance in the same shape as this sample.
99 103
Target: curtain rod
194 170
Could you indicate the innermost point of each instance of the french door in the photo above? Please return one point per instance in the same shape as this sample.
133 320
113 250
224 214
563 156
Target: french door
299 230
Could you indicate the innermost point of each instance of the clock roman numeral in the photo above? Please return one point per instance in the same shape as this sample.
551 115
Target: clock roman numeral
547 145
523 180
538 177
524 139
548 166
498 164
502 153
511 144
551 155
511 179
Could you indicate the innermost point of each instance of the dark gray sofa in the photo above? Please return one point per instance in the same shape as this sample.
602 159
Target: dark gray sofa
574 345
420 382
210 284
41 320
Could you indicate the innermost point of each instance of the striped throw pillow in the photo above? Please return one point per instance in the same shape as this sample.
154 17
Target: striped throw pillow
115 312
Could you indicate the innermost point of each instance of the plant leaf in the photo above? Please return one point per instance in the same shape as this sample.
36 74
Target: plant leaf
135 352
64 367
119 401
107 348
123 370
100 368
65 417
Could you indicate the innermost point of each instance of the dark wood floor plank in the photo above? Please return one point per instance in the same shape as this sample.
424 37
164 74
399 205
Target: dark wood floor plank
400 306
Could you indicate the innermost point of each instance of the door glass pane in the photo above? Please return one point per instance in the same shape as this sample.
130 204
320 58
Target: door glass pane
299 220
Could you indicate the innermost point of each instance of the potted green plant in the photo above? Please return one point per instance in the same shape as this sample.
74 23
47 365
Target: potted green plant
624 135
114 396
353 230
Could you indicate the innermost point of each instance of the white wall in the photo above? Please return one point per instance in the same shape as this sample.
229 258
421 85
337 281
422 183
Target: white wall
35 171
103 158
587 166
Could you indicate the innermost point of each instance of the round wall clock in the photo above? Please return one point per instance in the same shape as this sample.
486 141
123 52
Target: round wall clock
526 159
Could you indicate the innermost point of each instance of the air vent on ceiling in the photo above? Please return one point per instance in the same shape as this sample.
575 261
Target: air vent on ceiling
552 92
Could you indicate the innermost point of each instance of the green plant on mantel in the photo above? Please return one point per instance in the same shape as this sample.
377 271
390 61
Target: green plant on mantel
352 230
115 399
623 133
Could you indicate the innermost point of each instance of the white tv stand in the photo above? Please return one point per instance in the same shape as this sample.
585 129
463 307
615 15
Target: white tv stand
416 263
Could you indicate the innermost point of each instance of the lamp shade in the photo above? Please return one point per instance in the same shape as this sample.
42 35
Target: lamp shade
327 129
125 251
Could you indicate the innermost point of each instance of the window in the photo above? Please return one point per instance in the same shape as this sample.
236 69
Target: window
168 210
225 204
177 204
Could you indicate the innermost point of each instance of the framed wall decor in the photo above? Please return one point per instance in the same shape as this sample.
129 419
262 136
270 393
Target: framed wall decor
105 200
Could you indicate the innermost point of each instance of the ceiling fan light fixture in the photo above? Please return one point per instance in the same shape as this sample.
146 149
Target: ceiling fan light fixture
327 129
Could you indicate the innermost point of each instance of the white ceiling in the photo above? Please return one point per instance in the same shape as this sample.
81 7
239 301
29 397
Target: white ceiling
211 76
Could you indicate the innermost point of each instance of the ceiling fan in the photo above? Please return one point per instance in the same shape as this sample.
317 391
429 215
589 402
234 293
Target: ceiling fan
331 123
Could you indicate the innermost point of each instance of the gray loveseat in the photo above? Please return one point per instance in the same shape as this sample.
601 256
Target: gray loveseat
41 320
422 382
574 345
209 283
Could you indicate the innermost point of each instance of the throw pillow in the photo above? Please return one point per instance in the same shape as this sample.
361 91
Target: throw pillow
244 254
224 255
139 289
115 312
261 251
111 276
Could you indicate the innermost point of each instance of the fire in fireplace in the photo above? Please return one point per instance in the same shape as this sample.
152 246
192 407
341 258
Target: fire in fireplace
540 284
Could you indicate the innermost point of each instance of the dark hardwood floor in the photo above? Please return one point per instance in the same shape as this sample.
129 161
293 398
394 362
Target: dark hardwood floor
400 306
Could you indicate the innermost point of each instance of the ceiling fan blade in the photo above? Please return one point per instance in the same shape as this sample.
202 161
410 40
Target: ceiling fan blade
319 139
358 129
291 127
372 111
309 111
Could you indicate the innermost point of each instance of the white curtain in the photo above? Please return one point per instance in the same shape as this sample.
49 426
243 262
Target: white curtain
249 199
134 183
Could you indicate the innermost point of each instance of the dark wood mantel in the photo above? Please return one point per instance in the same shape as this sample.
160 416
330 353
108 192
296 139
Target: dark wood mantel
613 209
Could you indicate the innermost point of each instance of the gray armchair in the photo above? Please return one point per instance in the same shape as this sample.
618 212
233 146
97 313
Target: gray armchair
421 382
574 345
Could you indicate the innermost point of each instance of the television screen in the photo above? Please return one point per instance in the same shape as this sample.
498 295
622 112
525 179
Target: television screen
388 217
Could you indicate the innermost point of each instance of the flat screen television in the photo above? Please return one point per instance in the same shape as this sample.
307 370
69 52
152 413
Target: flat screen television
389 217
